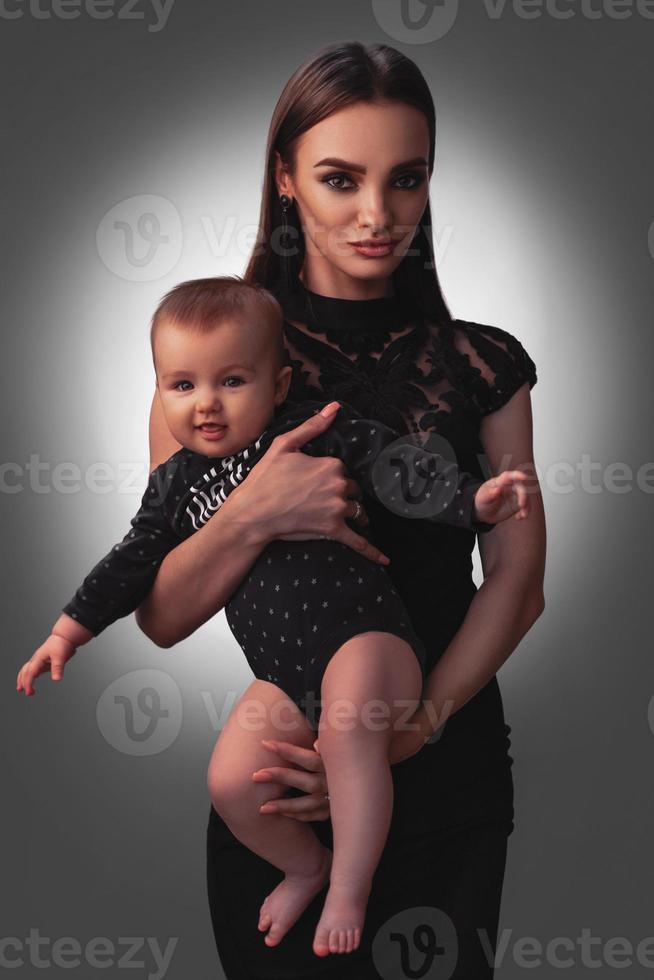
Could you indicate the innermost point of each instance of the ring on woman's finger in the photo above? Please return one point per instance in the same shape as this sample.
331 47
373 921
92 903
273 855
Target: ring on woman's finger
326 796
357 513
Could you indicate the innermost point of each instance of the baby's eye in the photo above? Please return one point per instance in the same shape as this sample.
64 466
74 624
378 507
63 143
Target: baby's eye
178 383
233 378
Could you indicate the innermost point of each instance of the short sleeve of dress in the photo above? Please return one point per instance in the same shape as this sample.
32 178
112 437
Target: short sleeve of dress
499 364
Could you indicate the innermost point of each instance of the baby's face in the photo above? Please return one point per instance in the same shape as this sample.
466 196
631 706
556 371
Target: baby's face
218 390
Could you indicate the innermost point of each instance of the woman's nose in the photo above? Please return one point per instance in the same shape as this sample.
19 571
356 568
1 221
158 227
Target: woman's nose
375 213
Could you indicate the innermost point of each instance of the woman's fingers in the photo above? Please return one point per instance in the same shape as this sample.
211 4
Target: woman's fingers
296 804
302 808
347 536
308 782
362 545
311 780
354 491
307 758
309 429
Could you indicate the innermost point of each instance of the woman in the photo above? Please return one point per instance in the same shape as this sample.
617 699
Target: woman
349 156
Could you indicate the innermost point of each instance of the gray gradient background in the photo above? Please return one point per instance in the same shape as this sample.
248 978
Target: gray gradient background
543 193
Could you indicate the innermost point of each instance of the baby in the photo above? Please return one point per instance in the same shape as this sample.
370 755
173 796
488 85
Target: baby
313 617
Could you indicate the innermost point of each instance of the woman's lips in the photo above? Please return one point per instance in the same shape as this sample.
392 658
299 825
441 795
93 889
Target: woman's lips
212 431
373 251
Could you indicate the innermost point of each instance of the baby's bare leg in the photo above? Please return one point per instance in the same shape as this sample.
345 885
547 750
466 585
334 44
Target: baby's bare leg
289 844
361 693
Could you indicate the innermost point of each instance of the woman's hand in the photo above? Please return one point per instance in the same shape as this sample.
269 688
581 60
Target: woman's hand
291 495
312 780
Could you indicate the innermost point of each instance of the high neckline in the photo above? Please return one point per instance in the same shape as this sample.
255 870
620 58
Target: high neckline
382 313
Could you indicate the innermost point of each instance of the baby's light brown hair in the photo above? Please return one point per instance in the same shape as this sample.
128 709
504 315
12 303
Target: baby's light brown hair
200 305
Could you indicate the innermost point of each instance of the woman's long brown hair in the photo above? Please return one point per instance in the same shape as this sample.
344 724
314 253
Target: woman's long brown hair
337 76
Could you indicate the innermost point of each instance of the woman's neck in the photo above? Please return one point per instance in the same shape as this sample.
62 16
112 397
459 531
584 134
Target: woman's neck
326 280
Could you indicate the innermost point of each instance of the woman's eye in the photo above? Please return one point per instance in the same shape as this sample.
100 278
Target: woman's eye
416 178
337 187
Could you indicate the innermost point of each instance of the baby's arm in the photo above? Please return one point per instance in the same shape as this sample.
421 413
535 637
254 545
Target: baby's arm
66 635
120 581
413 481
114 588
503 496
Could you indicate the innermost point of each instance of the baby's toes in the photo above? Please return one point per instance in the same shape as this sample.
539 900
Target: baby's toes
321 942
265 918
273 935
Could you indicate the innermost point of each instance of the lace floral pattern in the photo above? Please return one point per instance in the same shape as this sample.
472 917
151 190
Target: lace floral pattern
503 365
430 378
384 387
353 341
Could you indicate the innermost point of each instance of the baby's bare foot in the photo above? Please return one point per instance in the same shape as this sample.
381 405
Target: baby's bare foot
286 903
341 923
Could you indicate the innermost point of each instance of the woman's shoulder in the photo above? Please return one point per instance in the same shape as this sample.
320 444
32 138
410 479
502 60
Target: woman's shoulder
498 363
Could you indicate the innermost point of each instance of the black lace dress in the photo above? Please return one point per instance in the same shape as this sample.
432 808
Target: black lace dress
453 806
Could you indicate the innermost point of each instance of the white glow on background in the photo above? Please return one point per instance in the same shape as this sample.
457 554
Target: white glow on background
515 259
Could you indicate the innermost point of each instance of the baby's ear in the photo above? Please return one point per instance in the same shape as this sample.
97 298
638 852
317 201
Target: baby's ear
284 381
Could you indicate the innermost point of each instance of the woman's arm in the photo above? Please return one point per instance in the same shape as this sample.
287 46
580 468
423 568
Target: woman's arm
162 443
510 598
185 570
286 494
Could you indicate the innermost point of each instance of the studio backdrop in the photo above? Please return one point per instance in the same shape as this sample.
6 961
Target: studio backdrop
134 141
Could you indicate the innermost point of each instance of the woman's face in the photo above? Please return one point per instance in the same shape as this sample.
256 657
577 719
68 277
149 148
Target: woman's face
374 187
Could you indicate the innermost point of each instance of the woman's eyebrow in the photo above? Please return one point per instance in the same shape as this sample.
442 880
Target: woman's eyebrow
335 162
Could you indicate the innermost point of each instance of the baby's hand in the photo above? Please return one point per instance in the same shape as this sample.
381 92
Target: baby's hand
51 655
501 496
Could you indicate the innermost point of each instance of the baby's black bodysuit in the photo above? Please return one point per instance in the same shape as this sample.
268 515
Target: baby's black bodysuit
302 599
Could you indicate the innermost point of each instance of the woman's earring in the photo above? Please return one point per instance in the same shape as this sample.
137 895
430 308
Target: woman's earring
285 241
